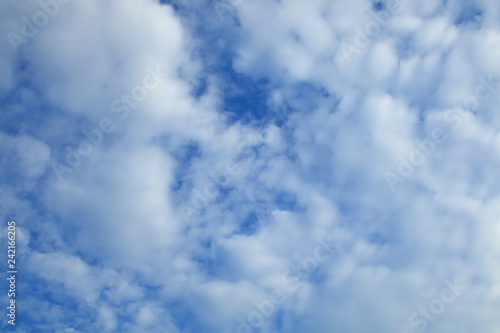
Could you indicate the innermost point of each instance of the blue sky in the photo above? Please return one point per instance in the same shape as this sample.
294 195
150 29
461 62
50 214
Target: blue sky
251 166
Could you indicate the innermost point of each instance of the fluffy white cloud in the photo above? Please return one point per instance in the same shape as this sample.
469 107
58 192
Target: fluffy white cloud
156 209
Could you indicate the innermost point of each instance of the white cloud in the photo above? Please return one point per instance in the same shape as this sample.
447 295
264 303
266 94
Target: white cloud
284 188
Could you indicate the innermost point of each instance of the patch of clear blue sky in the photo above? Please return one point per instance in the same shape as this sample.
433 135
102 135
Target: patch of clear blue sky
244 97
470 16
378 5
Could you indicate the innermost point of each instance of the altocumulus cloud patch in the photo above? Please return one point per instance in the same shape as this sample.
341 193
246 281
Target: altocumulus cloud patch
249 166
